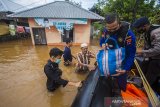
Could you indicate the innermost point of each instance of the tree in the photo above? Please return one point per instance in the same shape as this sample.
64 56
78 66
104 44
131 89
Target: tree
75 3
128 10
155 18
96 9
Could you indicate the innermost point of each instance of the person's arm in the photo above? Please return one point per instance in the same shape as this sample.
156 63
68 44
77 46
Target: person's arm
103 38
76 84
130 47
54 74
74 57
155 50
78 59
101 41
92 55
130 51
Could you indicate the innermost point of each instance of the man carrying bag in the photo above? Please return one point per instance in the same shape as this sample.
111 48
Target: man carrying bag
125 38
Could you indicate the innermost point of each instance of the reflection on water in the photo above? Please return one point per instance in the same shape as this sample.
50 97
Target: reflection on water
22 79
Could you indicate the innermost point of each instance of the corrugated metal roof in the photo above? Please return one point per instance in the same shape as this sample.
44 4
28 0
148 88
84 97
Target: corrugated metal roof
8 5
58 9
3 15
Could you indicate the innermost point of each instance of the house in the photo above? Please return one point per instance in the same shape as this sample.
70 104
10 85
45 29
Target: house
52 23
8 7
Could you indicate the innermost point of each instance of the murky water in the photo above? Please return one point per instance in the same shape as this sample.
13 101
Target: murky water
22 79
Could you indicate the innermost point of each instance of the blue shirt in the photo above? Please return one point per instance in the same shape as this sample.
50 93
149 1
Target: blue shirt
130 46
103 39
67 54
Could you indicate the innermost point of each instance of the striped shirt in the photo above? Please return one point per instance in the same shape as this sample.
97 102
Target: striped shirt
84 58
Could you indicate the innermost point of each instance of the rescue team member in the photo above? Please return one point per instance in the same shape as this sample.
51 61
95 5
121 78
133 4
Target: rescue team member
121 32
151 51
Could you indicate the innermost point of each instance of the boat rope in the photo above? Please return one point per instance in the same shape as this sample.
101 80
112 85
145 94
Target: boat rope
151 94
132 70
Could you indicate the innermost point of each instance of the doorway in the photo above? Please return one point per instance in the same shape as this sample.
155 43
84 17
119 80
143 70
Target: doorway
39 36
67 34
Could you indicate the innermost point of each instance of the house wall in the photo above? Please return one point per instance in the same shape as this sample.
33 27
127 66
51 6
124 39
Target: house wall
52 34
81 33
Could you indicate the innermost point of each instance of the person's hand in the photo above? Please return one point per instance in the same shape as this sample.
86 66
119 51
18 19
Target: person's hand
119 72
104 45
74 63
90 67
139 51
78 84
102 35
74 57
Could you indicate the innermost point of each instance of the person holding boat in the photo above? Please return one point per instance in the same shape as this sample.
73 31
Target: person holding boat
53 72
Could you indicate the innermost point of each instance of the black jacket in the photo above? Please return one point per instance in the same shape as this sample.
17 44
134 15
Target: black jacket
53 74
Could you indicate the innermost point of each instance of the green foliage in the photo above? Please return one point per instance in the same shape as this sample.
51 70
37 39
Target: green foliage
96 9
98 26
129 10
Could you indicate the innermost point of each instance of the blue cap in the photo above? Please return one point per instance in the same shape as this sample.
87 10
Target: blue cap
141 22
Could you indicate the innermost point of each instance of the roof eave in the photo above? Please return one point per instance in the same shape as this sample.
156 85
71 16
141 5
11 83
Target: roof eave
101 18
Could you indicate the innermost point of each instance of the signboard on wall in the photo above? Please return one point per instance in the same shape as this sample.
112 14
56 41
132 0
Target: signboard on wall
60 24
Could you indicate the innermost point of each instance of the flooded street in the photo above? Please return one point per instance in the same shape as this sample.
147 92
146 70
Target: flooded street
22 79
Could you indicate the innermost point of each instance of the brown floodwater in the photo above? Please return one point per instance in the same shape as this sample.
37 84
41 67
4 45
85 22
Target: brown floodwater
22 79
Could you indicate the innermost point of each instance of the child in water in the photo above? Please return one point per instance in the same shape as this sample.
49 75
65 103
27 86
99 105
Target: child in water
53 72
